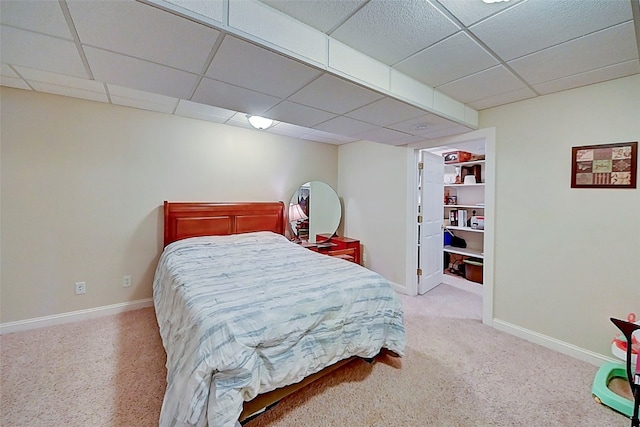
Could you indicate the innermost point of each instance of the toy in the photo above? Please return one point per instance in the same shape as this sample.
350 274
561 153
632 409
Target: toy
625 346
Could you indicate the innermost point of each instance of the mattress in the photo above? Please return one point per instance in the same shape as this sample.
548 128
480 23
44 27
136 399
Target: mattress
244 314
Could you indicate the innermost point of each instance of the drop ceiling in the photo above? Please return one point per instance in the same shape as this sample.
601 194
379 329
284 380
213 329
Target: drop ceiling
335 71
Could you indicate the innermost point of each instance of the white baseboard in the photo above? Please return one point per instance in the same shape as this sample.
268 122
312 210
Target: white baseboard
399 288
73 316
553 344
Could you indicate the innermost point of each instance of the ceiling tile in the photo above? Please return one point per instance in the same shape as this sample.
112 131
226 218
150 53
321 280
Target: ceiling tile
70 91
210 9
334 94
15 82
140 99
382 135
288 129
409 139
537 25
455 130
203 112
223 95
331 138
414 24
470 12
481 85
502 98
145 32
590 77
40 76
241 120
345 126
385 112
138 74
322 16
20 47
7 71
41 16
243 64
422 124
448 60
298 114
614 45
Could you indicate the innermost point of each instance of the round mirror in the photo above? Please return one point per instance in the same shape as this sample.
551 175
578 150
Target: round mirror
314 209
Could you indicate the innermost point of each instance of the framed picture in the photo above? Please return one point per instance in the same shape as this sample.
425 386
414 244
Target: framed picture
605 166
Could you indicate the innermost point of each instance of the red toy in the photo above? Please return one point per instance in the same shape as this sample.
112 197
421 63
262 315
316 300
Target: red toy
620 343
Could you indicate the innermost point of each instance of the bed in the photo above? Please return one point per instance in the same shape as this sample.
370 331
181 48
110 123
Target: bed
247 317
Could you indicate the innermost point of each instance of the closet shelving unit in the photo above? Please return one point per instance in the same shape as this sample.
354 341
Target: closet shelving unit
469 197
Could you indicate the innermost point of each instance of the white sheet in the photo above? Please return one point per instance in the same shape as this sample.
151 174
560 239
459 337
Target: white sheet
244 314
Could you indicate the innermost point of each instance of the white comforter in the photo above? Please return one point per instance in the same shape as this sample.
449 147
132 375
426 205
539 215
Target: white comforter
244 314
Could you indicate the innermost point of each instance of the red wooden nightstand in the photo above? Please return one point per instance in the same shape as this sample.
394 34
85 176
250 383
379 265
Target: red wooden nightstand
343 247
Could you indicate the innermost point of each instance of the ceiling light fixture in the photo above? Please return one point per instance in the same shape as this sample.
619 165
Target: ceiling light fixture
494 1
260 123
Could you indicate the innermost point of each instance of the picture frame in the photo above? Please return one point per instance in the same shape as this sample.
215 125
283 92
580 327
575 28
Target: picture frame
605 165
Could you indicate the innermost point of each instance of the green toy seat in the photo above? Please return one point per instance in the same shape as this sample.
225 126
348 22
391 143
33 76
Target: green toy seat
603 394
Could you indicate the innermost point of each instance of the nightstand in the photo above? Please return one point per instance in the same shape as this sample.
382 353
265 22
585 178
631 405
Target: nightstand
342 247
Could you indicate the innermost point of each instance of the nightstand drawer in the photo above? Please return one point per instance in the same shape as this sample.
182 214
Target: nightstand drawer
352 246
348 254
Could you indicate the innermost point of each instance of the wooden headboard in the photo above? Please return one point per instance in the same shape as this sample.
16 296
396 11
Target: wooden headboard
194 219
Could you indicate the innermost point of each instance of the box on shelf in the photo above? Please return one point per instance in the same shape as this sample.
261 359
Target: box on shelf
477 222
456 156
475 170
473 270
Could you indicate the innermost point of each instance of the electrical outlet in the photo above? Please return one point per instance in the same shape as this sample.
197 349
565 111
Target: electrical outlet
81 288
126 281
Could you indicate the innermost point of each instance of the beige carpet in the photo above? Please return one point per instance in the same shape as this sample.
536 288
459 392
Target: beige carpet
457 372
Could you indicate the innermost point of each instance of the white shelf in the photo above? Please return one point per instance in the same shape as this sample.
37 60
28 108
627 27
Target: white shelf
464 206
471 163
464 251
453 227
479 184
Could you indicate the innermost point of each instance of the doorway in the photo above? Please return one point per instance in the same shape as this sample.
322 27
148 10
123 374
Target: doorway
485 138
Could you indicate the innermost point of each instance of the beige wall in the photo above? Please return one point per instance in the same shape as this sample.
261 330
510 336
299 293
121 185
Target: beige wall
83 182
565 259
372 186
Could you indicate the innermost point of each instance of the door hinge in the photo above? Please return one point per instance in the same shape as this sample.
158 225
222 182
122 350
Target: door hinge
420 219
420 166
419 272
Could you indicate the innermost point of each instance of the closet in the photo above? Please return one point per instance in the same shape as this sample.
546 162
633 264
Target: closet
463 211
463 216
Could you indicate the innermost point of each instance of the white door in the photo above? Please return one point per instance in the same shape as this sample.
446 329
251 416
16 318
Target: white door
430 256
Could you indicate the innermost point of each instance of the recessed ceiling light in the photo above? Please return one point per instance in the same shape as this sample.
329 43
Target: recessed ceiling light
421 126
494 1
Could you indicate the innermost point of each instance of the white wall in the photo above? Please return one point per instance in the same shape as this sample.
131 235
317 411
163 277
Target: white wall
83 184
372 186
566 260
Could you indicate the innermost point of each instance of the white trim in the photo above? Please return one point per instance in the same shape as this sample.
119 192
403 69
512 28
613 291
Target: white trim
411 236
489 225
553 344
73 316
398 288
488 135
